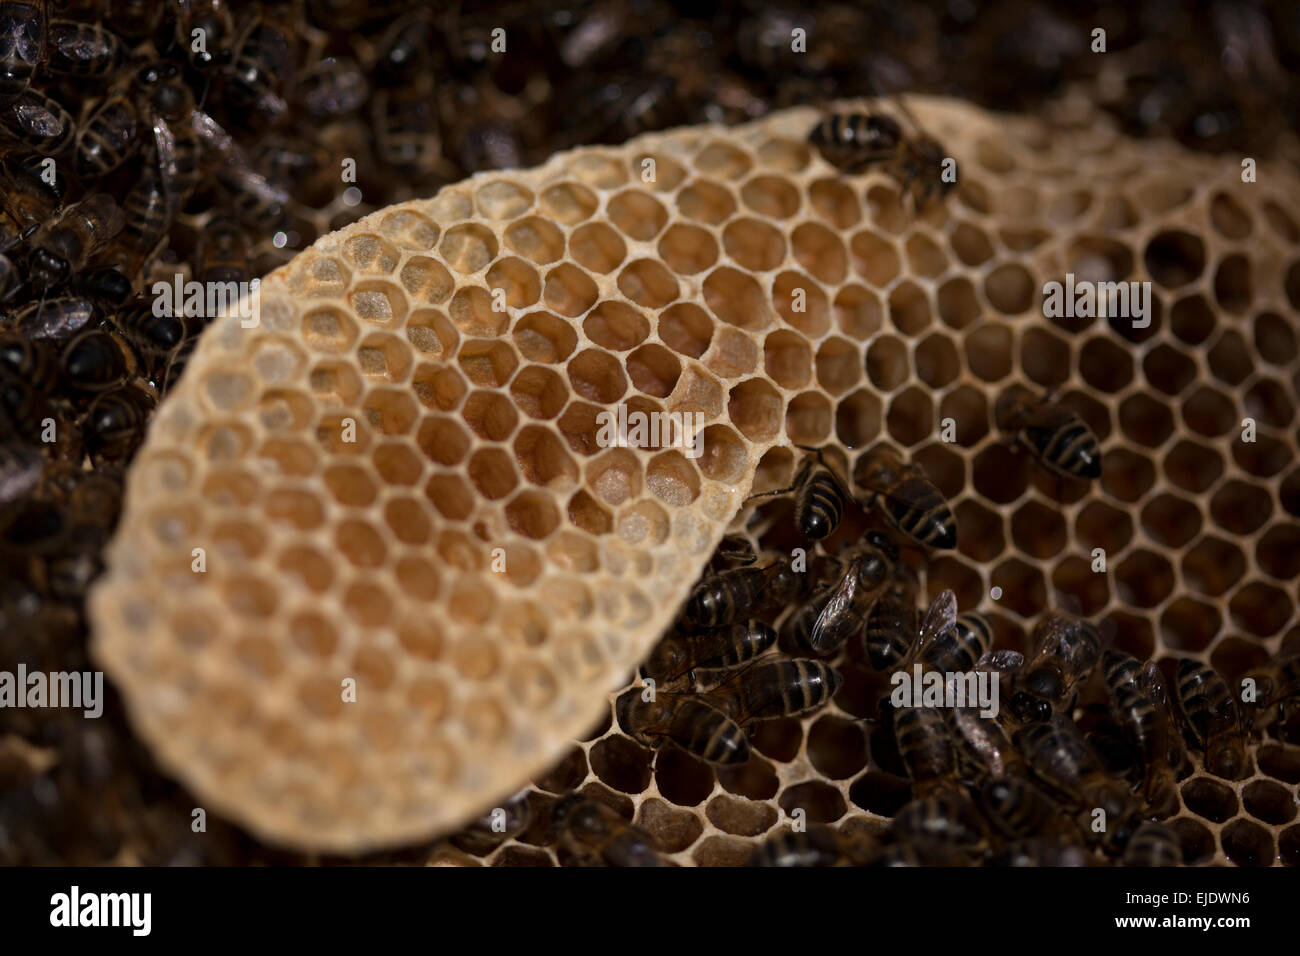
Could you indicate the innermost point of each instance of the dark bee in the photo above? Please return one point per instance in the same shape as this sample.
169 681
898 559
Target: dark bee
109 287
1277 692
1211 712
263 63
495 826
115 422
147 211
223 252
405 47
816 846
22 44
685 720
1133 690
56 319
151 334
853 141
596 835
167 106
212 20
725 647
1057 437
24 410
927 748
95 360
984 743
333 87
907 498
32 360
1065 652
38 123
81 49
1017 808
725 598
783 688
258 201
406 130
936 626
28 198
851 598
1063 760
108 137
818 497
952 647
892 622
945 816
80 231
1153 844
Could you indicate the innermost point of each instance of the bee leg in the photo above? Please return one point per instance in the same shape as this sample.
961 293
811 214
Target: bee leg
770 494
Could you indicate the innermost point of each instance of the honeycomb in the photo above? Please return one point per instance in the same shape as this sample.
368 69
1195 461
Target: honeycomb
398 487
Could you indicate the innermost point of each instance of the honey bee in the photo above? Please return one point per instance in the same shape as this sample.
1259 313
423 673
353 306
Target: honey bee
106 286
597 835
255 198
168 106
81 49
1211 712
944 816
724 647
23 409
852 142
150 334
28 199
1060 757
1133 690
31 360
493 828
333 87
1277 692
685 720
115 423
22 44
37 122
892 622
148 211
80 231
56 319
1057 437
223 252
984 741
933 642
406 130
816 846
725 598
1153 844
135 19
952 646
784 688
108 137
405 47
851 598
819 495
1065 652
264 61
907 498
926 746
94 361
213 18
1017 808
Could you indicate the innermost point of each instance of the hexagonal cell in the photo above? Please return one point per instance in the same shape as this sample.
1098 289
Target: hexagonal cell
468 247
1171 520
568 203
643 522
443 440
544 459
988 352
569 291
1209 412
1127 475
1240 507
597 247
688 249
737 299
886 209
543 337
1144 578
958 305
835 202
925 256
1192 319
502 199
1045 358
1213 566
409 230
454 499
654 370
874 258
1230 359
536 239
371 254
706 202
391 411
438 386
328 329
1260 608
1145 420
734 353
471 310
581 427
937 361
1270 403
647 283
360 543
1246 843
384 357
971 244
859 312
1275 340
597 376
820 251
1165 367
1233 288
1010 289
808 419
488 362
754 245
1038 529
909 308
637 214
725 456
723 160
801 303
601 170
686 329
587 514
772 197
756 409
1000 474
981 537
1174 258
673 479
432 334
839 365
911 416
787 359
517 279
539 392
397 463
887 364
1193 467
1078 587
1278 551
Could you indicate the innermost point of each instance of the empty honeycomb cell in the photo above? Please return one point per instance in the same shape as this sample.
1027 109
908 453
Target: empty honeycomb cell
1260 608
647 283
1192 320
384 357
468 247
569 291
1023 239
756 409
1233 657
543 458
1000 473
883 794
1165 367
1105 366
1045 358
1171 520
724 455
1229 218
1270 403
1210 799
305 563
600 169
616 326
351 485
621 764
1209 412
408 229
492 473
1197 841
1077 587
668 173
637 214
580 427
723 160
1144 578
543 337
1099 259
682 779
587 514
958 305
909 308
1264 457
970 244
597 247
785 154
674 829
569 771
329 330
490 415
989 352
858 312
754 245
820 251
1240 507
1174 258
772 197
1277 552
1246 843
686 329
835 202
740 816
1212 566
597 376
1038 529
981 536
688 249
1193 467
517 279
1146 420
801 303
360 543
1024 590
839 366
439 387
502 199
487 362
371 254
1010 289
1280 763
1233 289
885 207
673 479
911 416
924 256
471 310
737 299
535 238
1281 223
808 419
539 392
858 418
397 463
734 354
432 333
1067 206
874 258
820 802
937 361
1275 340
378 303
1230 360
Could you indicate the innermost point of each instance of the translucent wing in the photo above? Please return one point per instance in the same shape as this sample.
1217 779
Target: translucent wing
939 618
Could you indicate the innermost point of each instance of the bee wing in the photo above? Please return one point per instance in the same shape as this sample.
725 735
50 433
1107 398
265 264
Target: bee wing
1002 662
1152 684
941 616
168 170
839 611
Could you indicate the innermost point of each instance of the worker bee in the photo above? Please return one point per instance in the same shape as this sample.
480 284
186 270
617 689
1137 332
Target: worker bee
685 720
944 816
950 645
32 360
24 408
1277 693
495 826
167 105
816 846
984 742
135 19
95 360
405 47
851 598
934 643
1017 808
596 835
150 334
55 319
892 622
147 210
1153 844
819 495
1066 650
38 122
22 44
725 647
222 254
926 746
78 233
406 130
116 421
1060 757
108 137
81 49
27 197
257 200
1211 712
1059 439
212 18
1134 691
107 286
263 63
854 141
725 598
783 688
333 87
907 498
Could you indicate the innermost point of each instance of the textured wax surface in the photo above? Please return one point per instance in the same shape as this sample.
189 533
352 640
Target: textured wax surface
476 430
